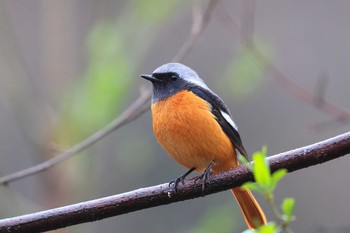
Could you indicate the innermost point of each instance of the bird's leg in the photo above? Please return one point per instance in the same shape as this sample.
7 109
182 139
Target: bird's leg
206 175
180 179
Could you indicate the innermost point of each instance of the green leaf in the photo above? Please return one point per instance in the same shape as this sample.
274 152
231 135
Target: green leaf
264 150
268 228
288 208
277 176
251 186
261 171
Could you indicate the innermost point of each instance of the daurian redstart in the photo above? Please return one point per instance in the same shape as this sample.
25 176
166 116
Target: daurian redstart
194 126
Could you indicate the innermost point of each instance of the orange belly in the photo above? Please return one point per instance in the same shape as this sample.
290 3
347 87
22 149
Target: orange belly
185 127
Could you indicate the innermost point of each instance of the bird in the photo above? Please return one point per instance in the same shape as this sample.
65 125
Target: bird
194 126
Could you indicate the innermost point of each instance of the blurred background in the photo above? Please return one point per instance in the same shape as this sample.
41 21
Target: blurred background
69 67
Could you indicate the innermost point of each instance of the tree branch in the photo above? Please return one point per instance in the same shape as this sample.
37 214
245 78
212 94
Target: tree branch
135 110
163 194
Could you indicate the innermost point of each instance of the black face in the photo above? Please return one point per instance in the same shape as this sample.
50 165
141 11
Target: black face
166 85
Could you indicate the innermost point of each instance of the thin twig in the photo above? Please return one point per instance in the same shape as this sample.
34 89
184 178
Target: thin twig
247 21
163 194
134 111
198 25
293 88
320 89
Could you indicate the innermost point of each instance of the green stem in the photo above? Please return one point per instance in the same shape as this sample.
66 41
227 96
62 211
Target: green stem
284 224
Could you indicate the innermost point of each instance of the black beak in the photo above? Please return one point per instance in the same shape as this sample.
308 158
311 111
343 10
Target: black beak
150 78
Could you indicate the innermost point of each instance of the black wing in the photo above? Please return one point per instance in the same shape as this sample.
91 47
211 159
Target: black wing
218 108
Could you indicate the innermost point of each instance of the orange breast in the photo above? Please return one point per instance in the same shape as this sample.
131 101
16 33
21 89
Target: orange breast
187 130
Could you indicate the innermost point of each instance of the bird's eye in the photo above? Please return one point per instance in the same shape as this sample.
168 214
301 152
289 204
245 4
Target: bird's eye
174 77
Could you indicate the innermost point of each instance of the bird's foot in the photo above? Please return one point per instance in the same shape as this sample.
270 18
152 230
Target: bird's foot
206 175
181 179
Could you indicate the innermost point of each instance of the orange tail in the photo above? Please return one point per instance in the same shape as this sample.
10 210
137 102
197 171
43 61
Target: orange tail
252 212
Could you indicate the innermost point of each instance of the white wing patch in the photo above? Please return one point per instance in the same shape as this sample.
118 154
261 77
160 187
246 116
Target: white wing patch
229 120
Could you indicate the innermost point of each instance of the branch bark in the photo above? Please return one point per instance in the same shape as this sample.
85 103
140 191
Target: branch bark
163 194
